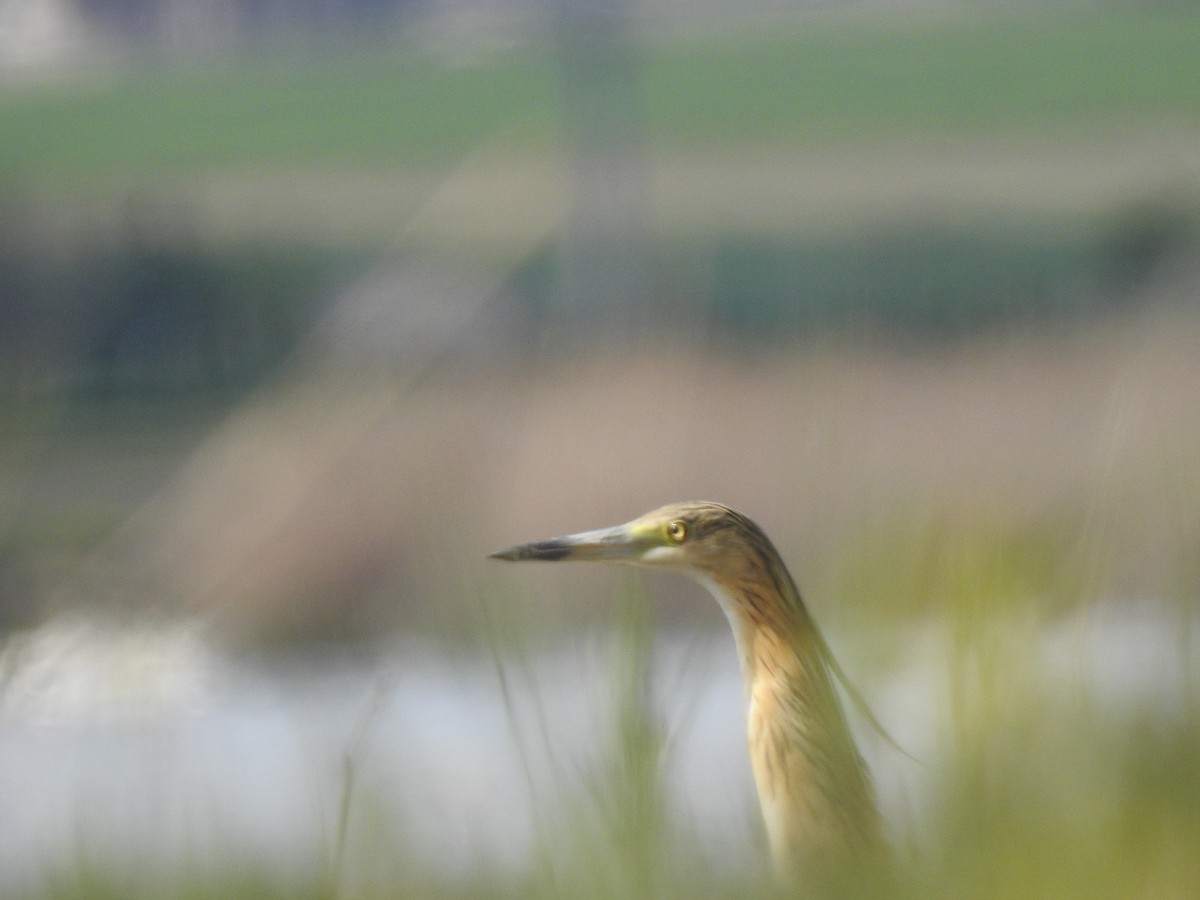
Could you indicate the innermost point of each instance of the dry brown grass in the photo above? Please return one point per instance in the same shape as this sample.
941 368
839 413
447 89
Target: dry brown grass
338 503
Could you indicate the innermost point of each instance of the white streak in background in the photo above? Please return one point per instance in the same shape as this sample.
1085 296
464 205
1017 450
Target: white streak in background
39 33
77 670
146 746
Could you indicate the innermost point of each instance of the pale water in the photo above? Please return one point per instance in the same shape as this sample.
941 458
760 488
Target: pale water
150 746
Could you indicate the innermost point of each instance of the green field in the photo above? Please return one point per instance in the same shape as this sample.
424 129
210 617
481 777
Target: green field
861 81
942 172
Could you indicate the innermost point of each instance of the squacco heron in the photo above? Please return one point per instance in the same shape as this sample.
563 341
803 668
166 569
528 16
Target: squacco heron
816 797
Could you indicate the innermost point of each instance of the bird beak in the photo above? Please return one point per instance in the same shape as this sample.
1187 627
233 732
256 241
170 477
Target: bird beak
619 544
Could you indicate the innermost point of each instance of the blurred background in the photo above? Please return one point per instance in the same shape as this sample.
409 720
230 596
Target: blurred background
305 307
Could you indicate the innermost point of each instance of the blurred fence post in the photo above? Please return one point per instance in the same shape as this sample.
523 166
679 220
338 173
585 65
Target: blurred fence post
602 252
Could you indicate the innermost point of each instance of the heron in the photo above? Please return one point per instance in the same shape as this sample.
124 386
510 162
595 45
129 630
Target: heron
813 787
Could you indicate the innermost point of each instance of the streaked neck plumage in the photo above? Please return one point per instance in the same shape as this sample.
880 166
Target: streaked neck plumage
812 784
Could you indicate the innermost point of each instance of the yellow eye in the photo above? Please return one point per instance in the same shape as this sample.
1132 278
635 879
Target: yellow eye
677 531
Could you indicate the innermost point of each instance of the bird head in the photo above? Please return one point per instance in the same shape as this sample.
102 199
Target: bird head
704 540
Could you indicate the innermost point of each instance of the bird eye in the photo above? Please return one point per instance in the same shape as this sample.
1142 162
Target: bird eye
677 531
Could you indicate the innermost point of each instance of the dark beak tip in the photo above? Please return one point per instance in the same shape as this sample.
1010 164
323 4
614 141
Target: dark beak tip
541 550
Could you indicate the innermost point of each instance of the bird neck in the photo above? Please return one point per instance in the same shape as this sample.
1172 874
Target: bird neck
813 787
771 627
